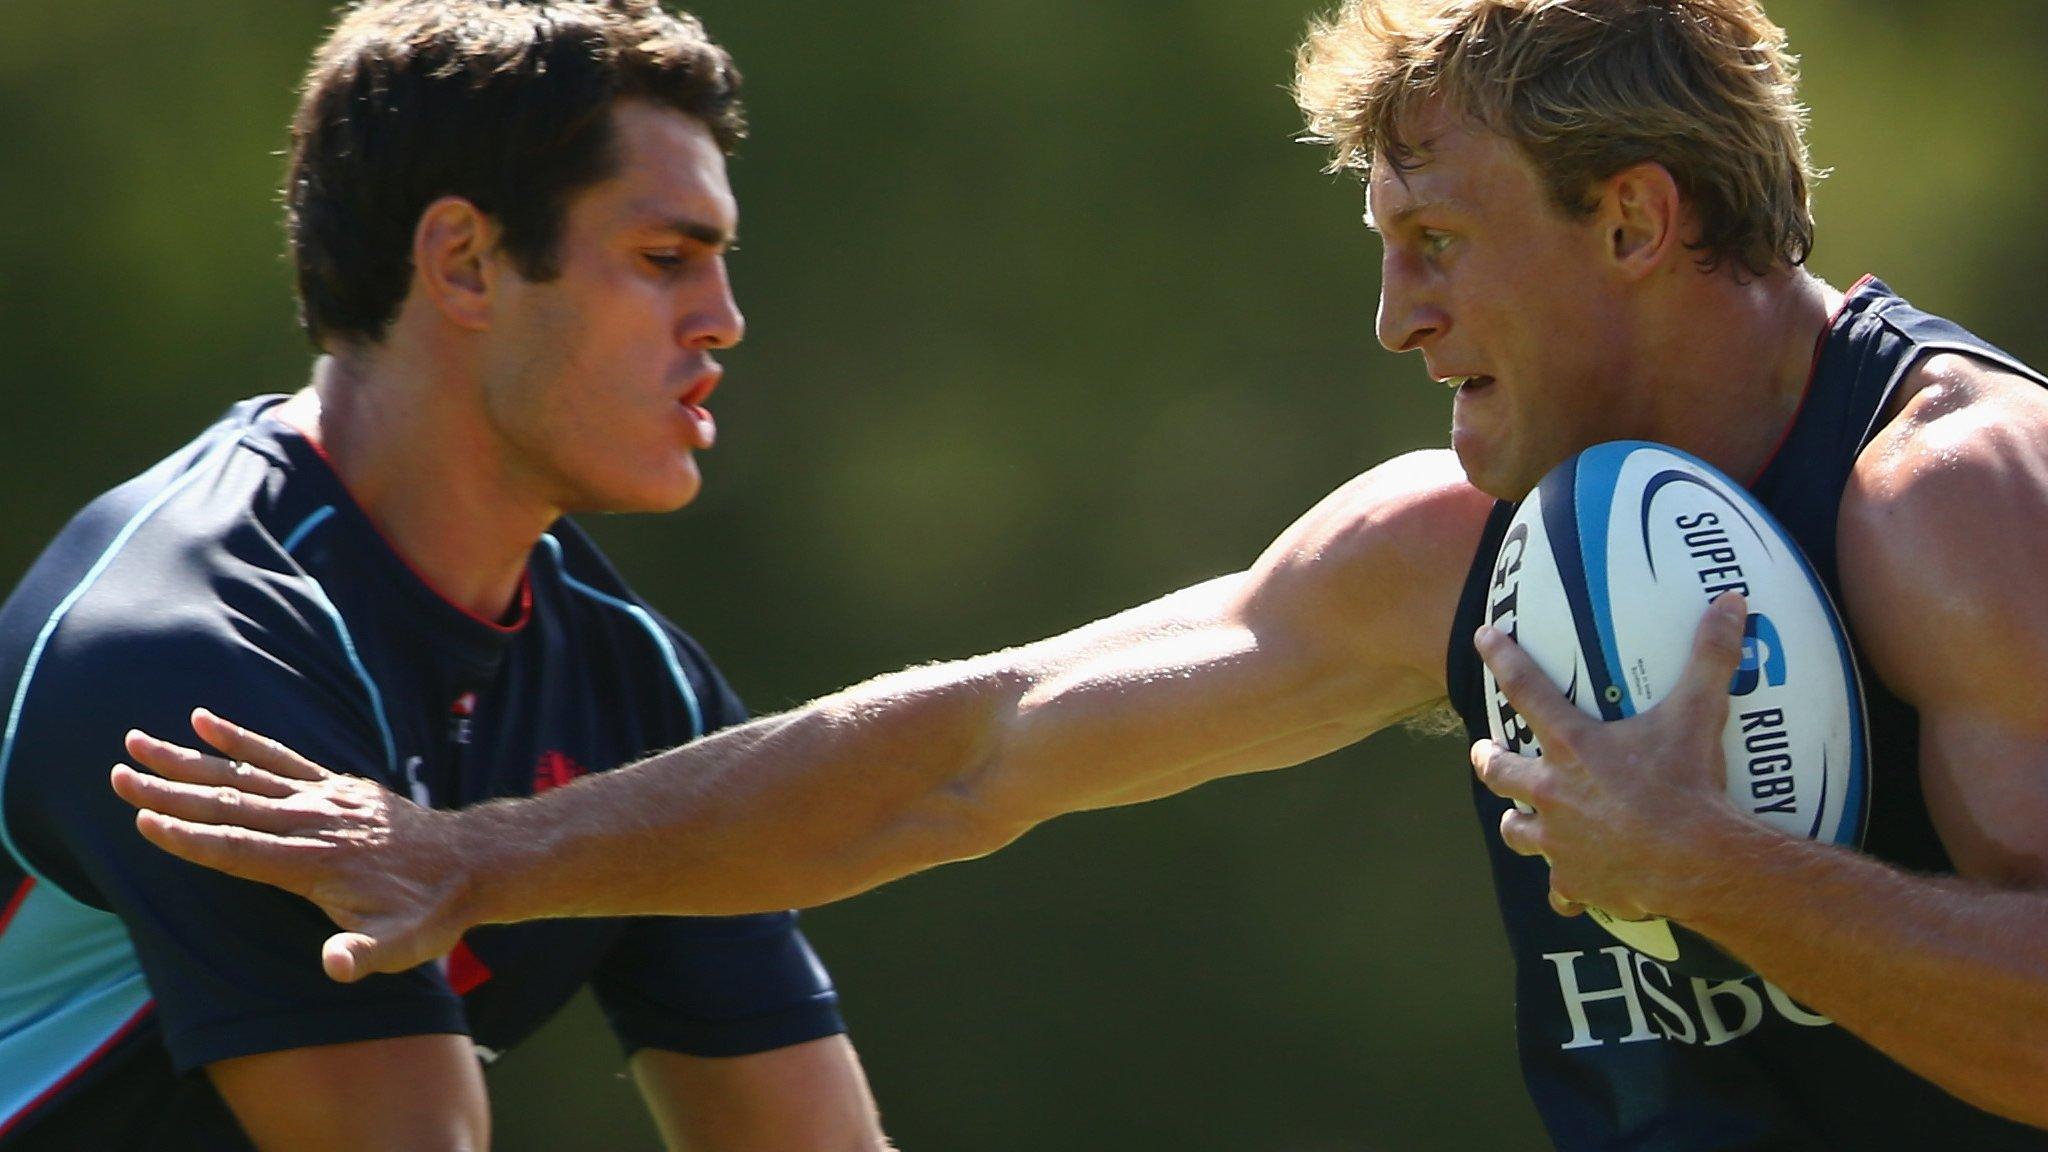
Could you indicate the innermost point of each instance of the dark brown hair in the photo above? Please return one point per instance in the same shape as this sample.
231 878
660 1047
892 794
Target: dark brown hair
506 103
1585 88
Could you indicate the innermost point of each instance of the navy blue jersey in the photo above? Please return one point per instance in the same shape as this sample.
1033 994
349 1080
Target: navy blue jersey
1619 1052
238 574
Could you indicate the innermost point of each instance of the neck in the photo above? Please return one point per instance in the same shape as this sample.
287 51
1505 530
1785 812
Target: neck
411 452
1735 365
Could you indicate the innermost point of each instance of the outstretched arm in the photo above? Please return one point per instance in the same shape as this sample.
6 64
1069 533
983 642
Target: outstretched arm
1337 631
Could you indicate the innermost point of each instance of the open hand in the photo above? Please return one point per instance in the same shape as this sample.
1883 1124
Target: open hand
384 869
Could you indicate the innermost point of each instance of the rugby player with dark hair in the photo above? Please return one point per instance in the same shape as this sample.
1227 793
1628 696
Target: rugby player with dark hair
509 224
1594 217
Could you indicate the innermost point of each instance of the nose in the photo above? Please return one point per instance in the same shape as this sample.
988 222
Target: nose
1409 315
715 320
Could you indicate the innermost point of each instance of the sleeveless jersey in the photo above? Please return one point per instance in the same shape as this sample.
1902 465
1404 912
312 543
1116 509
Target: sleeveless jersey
1618 1051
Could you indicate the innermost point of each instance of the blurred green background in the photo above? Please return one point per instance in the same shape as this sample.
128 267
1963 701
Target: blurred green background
1048 315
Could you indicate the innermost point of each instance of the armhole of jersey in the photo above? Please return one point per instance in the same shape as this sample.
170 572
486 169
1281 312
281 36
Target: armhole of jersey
35 653
1922 349
314 589
1461 660
645 619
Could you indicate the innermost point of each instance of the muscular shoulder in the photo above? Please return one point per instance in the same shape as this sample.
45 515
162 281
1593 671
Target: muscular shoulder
1943 533
1378 565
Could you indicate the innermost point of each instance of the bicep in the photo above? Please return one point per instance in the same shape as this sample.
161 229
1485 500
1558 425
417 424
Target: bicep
1338 630
811 1095
1196 688
1965 657
1986 782
1943 539
402 1094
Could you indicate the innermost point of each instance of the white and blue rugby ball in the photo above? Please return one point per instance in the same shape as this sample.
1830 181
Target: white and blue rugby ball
1602 578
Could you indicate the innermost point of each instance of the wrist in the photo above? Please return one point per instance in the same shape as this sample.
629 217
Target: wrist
1718 868
487 868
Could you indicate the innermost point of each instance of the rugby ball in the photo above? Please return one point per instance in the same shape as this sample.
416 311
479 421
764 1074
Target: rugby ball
1603 577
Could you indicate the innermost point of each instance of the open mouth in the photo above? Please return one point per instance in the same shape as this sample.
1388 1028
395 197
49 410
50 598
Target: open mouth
701 390
1468 384
703 426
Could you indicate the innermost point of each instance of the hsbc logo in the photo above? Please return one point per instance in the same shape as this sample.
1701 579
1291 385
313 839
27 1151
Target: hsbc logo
1620 996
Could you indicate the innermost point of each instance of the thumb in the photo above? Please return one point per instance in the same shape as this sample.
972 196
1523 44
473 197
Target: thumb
349 956
1716 651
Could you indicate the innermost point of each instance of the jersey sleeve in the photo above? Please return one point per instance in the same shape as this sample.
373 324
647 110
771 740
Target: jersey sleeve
233 966
714 986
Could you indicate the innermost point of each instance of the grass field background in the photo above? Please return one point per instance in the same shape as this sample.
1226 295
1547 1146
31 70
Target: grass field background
1048 315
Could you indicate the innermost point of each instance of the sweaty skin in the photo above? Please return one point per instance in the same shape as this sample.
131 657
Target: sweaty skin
1339 630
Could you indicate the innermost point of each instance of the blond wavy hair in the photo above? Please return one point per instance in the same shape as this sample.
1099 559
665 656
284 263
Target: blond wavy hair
1585 88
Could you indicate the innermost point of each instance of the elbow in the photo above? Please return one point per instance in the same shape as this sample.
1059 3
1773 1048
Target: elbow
946 799
947 825
993 827
976 816
991 797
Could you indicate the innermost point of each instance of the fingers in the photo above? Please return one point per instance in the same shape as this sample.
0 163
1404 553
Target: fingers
1512 776
1522 832
1554 719
132 786
238 743
1508 775
212 804
268 859
1565 906
177 762
1716 651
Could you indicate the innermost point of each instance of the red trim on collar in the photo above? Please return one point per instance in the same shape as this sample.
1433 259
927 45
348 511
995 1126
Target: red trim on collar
520 617
1820 344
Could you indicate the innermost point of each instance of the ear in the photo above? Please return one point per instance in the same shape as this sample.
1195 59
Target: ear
452 269
1643 218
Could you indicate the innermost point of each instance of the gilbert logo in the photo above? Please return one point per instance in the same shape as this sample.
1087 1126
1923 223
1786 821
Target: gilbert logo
554 770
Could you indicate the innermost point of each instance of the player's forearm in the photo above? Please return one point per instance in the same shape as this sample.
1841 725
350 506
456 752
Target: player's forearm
788 811
913 769
917 768
1946 976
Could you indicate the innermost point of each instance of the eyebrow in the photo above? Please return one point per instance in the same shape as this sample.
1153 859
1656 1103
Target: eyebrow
1406 211
709 235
